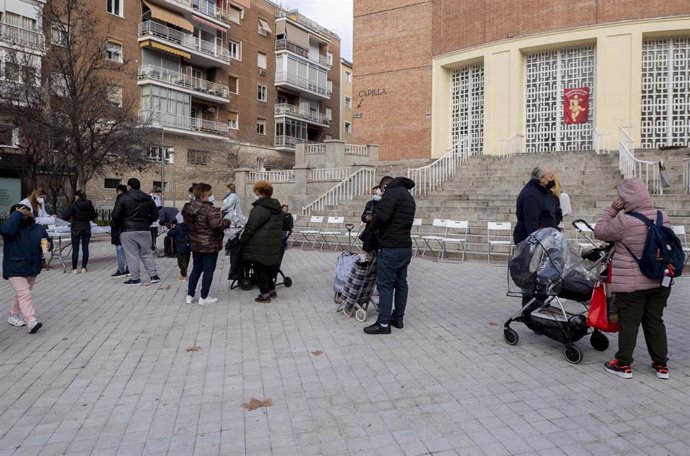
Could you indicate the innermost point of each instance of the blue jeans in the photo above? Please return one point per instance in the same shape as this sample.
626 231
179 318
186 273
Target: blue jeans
202 263
121 259
392 276
83 236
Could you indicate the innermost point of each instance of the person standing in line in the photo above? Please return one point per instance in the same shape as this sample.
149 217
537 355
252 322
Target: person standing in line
535 206
156 197
639 299
562 202
206 231
231 203
179 232
133 214
21 262
392 220
261 240
80 213
368 237
122 270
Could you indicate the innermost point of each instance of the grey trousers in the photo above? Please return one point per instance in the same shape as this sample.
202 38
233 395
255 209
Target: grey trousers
137 245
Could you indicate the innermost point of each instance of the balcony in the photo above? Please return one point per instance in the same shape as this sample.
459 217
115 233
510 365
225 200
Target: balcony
183 41
306 86
285 109
285 45
285 142
201 7
24 39
295 16
197 87
193 125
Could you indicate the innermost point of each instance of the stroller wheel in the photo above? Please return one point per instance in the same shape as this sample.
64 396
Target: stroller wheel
599 341
572 354
510 336
348 310
287 282
245 284
361 315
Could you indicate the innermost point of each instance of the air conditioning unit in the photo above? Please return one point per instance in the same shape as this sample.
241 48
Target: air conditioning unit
262 72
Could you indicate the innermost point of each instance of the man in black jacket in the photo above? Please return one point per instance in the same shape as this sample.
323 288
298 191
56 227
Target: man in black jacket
393 218
133 214
535 206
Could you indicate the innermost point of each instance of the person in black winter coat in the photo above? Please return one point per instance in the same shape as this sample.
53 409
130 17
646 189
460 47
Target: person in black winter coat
393 220
369 237
115 240
182 241
535 207
80 213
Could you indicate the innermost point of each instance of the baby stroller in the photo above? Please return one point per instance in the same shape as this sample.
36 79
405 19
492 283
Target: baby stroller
547 272
241 273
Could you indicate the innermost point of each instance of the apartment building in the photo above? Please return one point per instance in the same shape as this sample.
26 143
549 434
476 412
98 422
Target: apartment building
221 84
22 44
346 107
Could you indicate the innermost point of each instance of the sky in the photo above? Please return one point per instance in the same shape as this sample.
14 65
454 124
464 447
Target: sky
335 15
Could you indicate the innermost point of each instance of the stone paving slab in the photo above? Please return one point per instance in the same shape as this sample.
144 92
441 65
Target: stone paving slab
110 372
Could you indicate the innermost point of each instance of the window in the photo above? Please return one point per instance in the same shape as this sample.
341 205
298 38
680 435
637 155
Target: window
348 127
114 7
348 77
234 84
197 157
163 187
261 93
235 13
113 51
348 102
59 34
233 121
12 71
261 60
111 183
261 126
329 86
58 84
329 58
329 114
115 96
20 21
154 154
235 50
264 28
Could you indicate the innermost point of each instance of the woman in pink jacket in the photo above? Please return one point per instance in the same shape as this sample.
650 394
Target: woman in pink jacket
639 299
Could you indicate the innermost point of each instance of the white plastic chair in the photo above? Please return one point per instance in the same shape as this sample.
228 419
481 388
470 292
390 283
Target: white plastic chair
499 235
416 234
456 234
330 232
680 232
438 231
311 232
584 236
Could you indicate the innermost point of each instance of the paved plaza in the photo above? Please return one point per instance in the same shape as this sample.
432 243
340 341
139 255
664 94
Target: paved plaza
121 370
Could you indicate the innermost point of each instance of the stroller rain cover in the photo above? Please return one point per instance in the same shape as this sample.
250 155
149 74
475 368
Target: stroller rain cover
546 264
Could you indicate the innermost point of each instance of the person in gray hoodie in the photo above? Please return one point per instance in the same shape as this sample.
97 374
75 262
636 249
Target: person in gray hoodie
639 299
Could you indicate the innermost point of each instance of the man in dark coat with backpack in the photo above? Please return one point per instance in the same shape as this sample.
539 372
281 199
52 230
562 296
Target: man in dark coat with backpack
393 220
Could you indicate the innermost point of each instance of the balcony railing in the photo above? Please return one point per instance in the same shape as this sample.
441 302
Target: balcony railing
285 45
307 114
184 40
300 19
183 80
290 141
20 37
157 118
284 77
281 175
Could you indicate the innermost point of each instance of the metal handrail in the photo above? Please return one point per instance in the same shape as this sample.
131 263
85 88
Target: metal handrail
357 183
599 142
428 178
513 145
281 175
185 40
180 79
630 166
686 175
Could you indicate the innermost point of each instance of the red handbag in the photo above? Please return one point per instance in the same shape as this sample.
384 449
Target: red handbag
598 316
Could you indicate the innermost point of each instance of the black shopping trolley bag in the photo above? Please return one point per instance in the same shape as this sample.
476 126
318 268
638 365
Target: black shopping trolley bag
360 283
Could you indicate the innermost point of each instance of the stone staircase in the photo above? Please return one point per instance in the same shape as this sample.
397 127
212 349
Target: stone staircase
485 189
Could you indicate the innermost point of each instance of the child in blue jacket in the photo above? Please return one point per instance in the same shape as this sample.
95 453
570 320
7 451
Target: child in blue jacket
182 240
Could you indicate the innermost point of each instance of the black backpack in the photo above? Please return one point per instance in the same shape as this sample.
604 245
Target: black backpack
662 248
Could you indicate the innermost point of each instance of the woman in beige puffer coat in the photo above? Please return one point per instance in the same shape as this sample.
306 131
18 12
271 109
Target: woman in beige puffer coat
639 299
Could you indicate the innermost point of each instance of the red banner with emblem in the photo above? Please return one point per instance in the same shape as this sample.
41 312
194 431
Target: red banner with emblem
576 105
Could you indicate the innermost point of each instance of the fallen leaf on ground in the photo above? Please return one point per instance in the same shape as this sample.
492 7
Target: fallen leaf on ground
317 353
493 323
195 348
255 403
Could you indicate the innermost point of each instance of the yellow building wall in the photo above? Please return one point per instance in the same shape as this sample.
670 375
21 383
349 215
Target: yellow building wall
617 91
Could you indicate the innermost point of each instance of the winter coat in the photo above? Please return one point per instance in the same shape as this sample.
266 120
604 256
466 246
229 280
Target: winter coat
261 239
114 228
22 254
368 236
620 229
80 214
205 226
134 211
535 208
183 240
231 205
167 215
394 214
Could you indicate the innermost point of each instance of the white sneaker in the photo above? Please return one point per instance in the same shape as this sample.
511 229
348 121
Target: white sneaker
34 325
83 270
75 271
16 320
189 299
208 300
